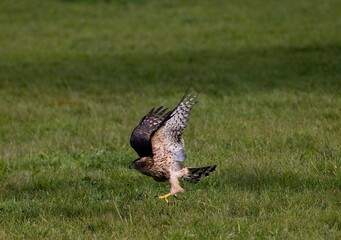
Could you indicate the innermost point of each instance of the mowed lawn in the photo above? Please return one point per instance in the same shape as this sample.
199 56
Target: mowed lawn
77 76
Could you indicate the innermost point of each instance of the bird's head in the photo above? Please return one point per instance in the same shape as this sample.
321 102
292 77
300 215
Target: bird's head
134 164
141 164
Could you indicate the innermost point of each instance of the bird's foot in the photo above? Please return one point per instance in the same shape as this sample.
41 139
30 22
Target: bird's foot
165 197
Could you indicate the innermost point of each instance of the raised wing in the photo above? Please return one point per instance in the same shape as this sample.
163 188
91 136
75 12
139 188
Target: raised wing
167 141
140 137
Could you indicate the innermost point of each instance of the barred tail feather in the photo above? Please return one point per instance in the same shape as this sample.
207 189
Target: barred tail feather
195 174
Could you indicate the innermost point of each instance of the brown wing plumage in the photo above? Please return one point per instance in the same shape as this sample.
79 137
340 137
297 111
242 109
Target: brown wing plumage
140 137
167 141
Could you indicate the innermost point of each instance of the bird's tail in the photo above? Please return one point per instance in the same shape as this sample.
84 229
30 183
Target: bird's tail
195 174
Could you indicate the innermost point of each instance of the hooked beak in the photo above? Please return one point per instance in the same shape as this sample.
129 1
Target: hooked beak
132 165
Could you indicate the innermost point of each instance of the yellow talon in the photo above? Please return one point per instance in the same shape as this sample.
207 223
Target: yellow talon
165 197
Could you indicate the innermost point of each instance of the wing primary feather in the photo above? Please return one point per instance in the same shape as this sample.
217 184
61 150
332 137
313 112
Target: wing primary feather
168 138
157 110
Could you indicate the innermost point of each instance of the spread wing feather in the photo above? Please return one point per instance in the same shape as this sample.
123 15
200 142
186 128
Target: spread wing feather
140 137
167 141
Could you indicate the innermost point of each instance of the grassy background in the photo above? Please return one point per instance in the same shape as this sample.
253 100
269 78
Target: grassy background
76 76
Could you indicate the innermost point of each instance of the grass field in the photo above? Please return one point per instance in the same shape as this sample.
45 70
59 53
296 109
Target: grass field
77 76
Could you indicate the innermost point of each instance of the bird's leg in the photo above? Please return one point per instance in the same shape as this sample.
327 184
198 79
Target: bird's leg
175 188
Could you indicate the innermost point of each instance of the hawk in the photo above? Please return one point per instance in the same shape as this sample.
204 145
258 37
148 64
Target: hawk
158 141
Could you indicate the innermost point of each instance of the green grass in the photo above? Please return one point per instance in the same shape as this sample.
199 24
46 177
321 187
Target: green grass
77 76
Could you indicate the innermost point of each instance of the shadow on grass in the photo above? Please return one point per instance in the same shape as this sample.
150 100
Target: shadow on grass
311 68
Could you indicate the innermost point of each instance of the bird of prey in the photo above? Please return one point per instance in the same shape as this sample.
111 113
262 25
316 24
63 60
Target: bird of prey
158 141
